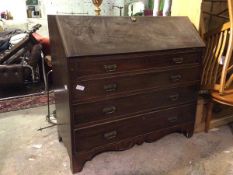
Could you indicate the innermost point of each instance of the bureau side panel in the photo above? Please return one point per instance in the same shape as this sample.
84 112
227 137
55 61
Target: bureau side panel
60 79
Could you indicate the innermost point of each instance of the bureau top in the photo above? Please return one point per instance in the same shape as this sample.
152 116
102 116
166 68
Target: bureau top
89 35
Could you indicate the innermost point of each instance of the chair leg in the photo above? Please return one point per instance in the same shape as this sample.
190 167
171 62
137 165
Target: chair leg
209 116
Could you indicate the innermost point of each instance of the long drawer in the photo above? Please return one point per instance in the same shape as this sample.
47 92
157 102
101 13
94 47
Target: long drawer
119 107
88 138
101 87
116 64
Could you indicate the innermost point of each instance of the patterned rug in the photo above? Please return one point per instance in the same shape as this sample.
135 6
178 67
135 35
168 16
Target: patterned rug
25 102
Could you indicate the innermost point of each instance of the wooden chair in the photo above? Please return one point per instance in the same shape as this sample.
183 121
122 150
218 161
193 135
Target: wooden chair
217 75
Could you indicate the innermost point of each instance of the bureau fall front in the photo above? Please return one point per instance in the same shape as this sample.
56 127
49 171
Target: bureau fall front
121 81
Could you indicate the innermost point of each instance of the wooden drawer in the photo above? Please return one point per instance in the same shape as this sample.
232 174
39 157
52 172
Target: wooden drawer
116 64
169 117
99 135
138 103
98 88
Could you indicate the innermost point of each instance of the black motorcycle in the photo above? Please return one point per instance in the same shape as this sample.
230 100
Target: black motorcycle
20 58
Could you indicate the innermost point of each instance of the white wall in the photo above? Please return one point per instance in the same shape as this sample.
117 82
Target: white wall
80 6
137 7
16 7
132 1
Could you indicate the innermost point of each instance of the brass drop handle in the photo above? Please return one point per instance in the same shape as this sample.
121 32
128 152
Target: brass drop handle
110 68
174 97
178 60
175 78
109 110
172 119
110 135
110 87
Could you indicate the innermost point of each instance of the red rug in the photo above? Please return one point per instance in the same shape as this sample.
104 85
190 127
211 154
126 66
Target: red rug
25 102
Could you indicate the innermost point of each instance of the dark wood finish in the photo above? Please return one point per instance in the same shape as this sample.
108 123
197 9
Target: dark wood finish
61 85
81 157
116 35
121 106
103 134
123 63
133 81
119 86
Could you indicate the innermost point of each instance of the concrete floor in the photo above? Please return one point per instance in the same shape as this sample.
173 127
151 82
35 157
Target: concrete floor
26 151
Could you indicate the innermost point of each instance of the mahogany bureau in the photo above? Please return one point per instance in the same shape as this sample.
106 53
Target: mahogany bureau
121 81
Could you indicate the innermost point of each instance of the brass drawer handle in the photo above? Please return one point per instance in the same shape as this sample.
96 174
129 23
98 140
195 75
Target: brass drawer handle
110 135
110 68
172 119
178 60
175 78
109 110
174 97
110 87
